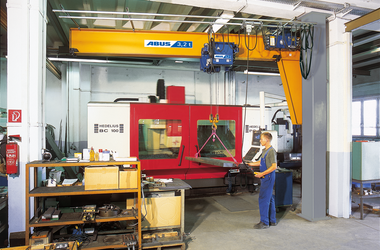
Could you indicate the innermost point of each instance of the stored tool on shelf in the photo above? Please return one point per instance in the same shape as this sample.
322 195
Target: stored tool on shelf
130 240
88 213
41 237
109 210
152 183
62 246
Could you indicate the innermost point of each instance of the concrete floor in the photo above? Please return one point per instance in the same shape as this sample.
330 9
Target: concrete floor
211 225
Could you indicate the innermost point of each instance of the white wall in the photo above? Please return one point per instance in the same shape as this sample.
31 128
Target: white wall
3 89
109 83
268 84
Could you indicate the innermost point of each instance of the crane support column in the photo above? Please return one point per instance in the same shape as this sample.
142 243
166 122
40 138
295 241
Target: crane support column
314 126
292 82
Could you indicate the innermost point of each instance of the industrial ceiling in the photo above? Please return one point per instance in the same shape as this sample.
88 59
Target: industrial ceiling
366 54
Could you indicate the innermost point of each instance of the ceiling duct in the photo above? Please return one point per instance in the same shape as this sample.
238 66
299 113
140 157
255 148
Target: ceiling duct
323 5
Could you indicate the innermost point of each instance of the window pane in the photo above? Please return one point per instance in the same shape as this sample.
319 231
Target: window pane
356 118
369 117
214 148
159 139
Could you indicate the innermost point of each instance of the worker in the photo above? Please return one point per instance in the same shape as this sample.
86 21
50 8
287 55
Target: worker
268 165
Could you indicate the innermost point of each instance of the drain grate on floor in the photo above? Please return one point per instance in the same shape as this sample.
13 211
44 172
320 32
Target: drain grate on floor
234 203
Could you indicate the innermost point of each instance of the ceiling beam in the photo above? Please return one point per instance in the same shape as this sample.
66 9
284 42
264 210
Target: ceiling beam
154 6
196 11
204 27
367 4
262 8
56 25
89 5
361 72
121 6
366 63
372 17
186 10
365 35
370 67
367 46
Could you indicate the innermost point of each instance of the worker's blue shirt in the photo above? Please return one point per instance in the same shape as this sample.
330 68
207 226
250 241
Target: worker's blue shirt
270 157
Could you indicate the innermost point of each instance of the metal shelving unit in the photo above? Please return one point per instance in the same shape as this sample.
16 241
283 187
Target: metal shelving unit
361 195
75 218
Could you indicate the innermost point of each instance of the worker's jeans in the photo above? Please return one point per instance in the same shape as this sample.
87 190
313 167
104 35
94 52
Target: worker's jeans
266 200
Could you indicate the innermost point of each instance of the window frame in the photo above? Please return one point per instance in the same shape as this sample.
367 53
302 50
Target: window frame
362 100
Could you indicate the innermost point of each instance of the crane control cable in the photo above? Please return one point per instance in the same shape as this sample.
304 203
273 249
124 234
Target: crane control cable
306 49
245 39
244 121
228 38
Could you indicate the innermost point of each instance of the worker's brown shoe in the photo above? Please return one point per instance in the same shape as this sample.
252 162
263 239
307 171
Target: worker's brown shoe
272 224
261 225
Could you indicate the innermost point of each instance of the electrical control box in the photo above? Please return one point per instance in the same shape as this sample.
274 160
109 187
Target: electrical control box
281 39
365 160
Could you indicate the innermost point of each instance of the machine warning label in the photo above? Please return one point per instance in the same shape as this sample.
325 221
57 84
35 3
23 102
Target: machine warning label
168 44
108 128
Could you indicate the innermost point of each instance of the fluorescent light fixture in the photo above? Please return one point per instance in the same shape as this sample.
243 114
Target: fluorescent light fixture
178 61
219 23
261 73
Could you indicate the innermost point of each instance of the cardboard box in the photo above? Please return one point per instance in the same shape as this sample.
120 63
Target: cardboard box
128 179
41 238
101 178
162 212
131 203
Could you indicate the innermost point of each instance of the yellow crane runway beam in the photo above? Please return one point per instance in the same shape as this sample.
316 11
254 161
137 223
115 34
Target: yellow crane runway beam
125 43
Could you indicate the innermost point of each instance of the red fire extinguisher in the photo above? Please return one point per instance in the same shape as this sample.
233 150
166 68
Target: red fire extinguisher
12 155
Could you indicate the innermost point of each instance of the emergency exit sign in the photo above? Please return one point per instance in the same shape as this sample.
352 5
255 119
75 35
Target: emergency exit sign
14 115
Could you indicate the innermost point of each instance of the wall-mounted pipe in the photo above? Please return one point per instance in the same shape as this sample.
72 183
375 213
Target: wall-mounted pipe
166 15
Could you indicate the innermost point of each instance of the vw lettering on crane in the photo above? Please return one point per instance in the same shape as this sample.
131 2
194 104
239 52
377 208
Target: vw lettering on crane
168 44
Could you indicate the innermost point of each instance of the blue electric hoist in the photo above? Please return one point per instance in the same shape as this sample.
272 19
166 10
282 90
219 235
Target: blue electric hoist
215 55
